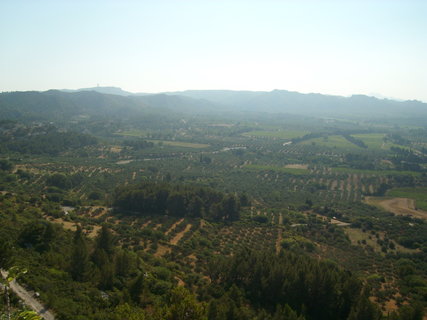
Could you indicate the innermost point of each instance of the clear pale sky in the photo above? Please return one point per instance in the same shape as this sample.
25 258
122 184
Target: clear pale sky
332 47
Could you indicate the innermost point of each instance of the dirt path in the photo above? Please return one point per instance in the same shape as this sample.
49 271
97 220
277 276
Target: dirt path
180 282
29 300
94 232
157 226
146 224
174 226
179 235
101 211
339 223
399 206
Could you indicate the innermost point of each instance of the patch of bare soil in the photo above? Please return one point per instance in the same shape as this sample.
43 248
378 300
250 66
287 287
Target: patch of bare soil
179 235
391 305
94 232
162 250
193 259
297 166
339 223
67 225
124 161
174 226
115 149
399 206
180 282
146 224
98 211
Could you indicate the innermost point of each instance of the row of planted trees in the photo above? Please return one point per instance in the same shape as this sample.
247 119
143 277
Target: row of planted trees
178 201
249 285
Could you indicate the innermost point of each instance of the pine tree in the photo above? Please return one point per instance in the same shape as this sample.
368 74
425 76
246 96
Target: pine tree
105 241
80 257
183 305
105 267
123 263
103 257
137 288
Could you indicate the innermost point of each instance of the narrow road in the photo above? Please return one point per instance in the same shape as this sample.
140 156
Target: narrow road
29 300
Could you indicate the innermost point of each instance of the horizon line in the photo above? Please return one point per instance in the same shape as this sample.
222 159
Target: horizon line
379 96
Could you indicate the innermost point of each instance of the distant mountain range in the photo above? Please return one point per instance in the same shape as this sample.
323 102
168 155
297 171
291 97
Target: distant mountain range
282 101
115 102
55 105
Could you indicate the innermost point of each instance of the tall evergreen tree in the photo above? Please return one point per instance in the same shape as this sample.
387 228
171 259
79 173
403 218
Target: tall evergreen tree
79 257
105 241
123 263
183 305
105 267
137 288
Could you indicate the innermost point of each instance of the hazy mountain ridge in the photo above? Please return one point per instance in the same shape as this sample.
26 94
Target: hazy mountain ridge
55 105
63 105
278 101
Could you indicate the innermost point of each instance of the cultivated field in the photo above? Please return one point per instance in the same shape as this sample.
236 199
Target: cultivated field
398 206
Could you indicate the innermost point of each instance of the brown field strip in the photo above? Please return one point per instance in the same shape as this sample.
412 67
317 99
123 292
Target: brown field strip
174 226
179 235
398 206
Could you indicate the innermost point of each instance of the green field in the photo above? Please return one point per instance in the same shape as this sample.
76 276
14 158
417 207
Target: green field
142 133
375 172
335 141
181 144
418 194
281 134
372 140
259 167
376 141
132 133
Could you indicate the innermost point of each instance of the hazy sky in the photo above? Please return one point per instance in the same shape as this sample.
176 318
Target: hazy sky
335 47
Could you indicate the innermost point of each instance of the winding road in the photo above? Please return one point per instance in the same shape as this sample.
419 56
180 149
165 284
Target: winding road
28 299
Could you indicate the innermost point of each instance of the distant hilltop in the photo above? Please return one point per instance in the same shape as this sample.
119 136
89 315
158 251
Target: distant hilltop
107 90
